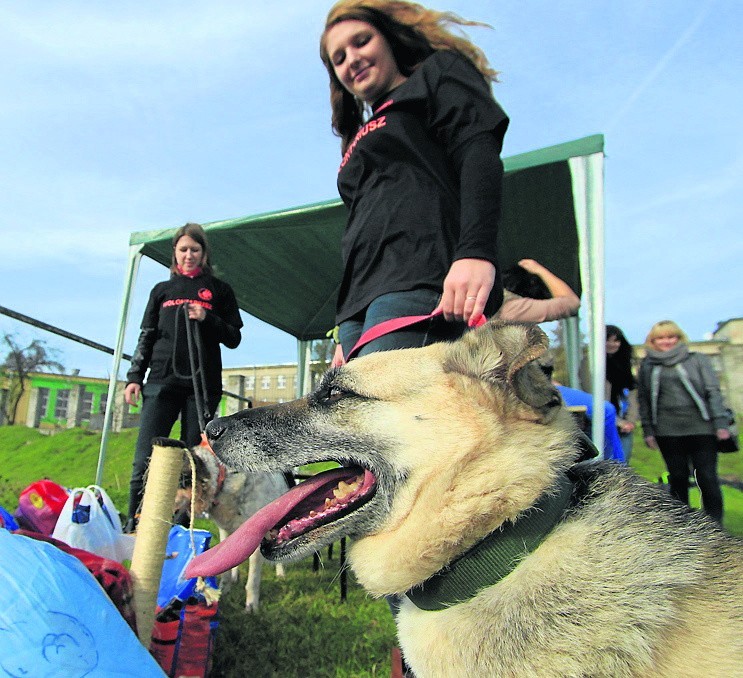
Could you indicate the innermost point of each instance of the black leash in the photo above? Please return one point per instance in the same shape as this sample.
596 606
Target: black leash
196 360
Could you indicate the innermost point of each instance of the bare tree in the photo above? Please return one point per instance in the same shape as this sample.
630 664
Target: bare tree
18 364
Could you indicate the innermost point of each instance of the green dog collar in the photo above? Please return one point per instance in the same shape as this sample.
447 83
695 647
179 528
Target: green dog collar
496 556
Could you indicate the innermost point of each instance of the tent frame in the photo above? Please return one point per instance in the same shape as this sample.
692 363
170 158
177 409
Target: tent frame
585 159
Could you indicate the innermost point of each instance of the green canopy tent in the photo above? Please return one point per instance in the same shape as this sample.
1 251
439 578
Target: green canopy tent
285 266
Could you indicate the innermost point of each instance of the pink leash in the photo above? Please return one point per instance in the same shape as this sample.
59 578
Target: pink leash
394 324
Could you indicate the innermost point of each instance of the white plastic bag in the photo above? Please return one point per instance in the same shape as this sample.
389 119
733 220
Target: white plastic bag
89 521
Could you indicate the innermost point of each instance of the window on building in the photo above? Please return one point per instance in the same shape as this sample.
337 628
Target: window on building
61 404
3 403
280 381
250 382
43 402
86 405
265 383
102 405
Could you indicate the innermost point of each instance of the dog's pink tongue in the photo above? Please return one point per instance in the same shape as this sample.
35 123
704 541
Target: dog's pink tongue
246 539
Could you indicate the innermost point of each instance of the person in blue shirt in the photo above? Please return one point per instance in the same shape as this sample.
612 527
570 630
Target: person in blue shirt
612 443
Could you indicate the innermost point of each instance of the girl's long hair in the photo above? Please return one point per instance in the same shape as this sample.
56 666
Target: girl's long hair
619 367
413 33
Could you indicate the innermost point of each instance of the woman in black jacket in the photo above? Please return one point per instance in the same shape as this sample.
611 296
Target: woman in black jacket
420 171
191 295
682 413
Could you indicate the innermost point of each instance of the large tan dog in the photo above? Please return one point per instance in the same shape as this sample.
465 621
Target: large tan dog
460 489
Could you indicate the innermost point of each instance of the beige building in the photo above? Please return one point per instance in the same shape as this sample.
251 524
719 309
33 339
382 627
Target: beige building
264 384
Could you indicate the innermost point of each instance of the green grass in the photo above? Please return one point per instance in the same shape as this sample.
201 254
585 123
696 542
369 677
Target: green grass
302 629
649 464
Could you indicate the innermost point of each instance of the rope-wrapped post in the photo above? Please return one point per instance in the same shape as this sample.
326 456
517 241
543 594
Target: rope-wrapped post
153 529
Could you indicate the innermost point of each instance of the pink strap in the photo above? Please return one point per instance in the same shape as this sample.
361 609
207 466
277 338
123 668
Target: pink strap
394 324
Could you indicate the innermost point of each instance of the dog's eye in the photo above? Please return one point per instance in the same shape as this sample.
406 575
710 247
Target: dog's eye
333 394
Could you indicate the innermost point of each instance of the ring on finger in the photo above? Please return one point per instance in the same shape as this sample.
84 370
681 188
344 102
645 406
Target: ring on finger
471 297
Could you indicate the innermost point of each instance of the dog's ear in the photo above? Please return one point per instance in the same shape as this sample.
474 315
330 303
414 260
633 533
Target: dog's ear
202 471
508 355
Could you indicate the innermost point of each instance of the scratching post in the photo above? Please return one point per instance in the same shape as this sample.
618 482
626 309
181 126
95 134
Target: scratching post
153 529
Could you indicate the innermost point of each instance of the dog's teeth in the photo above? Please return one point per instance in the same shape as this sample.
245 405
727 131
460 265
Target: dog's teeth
344 488
329 503
313 514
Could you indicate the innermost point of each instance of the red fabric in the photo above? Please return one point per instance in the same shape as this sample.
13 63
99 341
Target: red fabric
165 633
195 647
190 274
183 636
112 576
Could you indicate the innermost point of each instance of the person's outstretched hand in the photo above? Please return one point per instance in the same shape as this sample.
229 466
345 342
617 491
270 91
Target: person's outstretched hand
531 266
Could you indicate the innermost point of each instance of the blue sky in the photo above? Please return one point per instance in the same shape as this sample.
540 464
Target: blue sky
129 116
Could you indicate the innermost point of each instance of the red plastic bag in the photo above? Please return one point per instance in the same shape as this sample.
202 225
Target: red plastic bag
39 506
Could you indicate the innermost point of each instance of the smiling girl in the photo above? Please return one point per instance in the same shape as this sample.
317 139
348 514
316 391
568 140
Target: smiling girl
420 171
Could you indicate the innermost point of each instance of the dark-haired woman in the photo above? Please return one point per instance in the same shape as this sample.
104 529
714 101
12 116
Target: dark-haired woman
535 294
163 349
621 387
420 171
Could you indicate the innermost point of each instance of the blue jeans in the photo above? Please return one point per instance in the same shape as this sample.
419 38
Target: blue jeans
627 440
398 305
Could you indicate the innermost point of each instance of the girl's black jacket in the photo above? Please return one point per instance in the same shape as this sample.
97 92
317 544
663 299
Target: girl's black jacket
162 345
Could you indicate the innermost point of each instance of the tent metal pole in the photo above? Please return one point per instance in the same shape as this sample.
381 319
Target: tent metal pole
588 182
571 336
135 255
595 204
304 349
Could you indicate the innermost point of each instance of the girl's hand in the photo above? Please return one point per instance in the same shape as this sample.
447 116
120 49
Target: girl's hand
531 266
467 287
723 434
651 442
626 426
338 359
132 393
196 312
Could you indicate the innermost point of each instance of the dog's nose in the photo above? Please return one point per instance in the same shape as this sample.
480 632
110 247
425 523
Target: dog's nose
215 429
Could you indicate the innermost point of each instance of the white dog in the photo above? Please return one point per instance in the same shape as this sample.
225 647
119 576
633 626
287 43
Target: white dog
229 498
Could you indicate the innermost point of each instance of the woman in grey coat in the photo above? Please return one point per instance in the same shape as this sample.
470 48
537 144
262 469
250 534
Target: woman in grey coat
682 413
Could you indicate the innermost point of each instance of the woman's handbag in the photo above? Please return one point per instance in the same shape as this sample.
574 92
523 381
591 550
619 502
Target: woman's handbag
731 444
